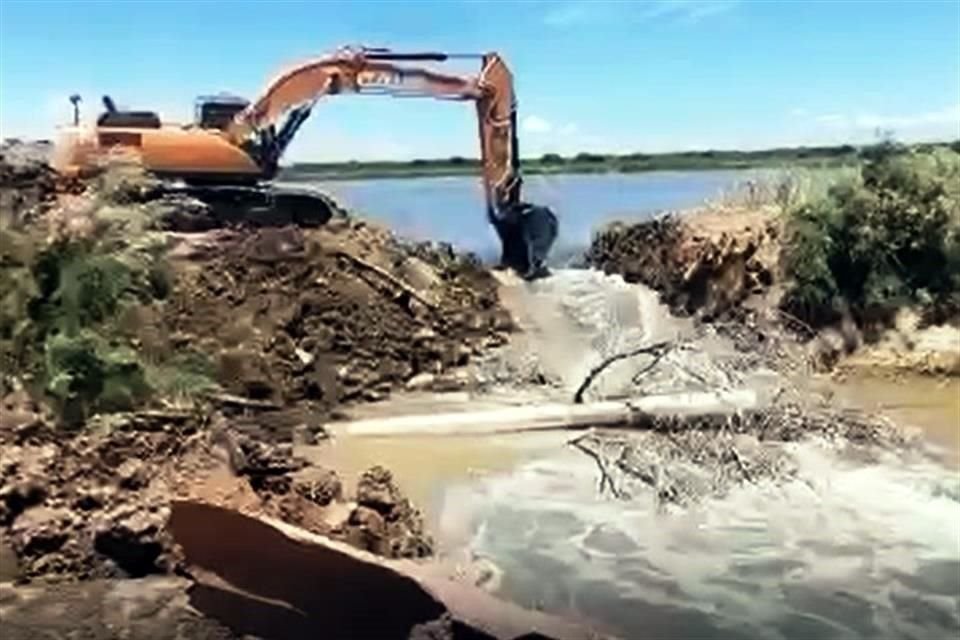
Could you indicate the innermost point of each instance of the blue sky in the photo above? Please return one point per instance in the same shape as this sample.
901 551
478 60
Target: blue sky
591 75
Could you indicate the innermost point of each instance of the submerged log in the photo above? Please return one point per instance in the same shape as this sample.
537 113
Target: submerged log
633 412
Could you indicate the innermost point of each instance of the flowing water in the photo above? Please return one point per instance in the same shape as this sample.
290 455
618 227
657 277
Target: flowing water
845 549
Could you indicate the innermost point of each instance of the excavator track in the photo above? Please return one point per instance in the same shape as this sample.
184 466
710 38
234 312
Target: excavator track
261 205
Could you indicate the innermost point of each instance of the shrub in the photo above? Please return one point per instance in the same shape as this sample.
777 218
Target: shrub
887 238
63 300
84 373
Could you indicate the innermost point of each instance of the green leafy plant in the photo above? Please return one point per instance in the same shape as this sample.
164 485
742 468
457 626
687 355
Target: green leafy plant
886 238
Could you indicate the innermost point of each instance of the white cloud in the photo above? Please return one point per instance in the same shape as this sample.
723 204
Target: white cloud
689 11
566 14
798 112
580 12
943 122
536 124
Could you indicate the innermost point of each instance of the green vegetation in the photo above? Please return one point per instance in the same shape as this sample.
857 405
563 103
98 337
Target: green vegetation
551 163
883 238
69 292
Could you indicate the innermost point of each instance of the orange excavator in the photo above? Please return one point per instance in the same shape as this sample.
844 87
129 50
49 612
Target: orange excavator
232 151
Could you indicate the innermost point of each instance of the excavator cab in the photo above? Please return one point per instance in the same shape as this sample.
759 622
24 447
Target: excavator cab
217 112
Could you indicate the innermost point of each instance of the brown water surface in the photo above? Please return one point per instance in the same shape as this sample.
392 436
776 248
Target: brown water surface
929 404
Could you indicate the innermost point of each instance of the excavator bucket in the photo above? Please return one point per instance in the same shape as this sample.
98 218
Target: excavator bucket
527 232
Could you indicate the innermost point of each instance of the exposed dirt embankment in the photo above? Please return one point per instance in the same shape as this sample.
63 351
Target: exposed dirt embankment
278 325
342 313
95 504
704 263
717 264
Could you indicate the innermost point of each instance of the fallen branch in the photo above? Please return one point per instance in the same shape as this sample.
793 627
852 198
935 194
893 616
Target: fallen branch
605 479
658 350
636 413
413 293
228 399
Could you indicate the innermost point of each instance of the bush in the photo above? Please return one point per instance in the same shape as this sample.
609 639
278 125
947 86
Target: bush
888 238
64 298
84 374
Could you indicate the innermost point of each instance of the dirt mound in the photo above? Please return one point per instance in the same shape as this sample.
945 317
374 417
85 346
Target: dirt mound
327 315
705 263
255 335
26 180
95 504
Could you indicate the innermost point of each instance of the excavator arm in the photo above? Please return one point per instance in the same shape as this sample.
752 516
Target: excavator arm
267 125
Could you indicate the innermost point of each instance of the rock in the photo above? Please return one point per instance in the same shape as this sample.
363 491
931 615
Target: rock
305 357
454 381
425 334
337 516
368 531
134 539
318 485
376 490
420 382
157 608
91 498
132 474
19 495
40 530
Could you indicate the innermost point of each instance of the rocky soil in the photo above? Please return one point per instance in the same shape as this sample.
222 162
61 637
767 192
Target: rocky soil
94 504
331 315
293 324
705 263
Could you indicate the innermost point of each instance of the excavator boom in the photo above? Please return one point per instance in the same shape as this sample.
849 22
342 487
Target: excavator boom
249 144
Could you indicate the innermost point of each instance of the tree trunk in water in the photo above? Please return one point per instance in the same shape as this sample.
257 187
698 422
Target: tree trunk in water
632 412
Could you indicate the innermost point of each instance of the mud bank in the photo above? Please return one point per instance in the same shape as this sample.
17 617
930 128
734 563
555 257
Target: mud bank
330 315
727 265
705 263
95 505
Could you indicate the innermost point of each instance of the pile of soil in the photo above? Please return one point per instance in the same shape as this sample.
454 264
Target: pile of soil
337 314
290 323
95 504
26 180
705 263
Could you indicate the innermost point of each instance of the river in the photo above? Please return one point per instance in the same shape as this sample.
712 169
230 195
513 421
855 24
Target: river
844 549
451 209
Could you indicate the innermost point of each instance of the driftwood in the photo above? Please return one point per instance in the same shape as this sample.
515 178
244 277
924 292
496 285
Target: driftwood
399 284
658 351
228 399
605 479
555 416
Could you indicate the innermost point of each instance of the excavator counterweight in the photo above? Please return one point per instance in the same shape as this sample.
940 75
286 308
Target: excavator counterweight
233 150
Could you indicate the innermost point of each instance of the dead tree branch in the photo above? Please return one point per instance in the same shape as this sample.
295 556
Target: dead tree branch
605 479
410 291
658 350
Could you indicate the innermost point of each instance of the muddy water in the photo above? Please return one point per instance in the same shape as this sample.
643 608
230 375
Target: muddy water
844 550
926 403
